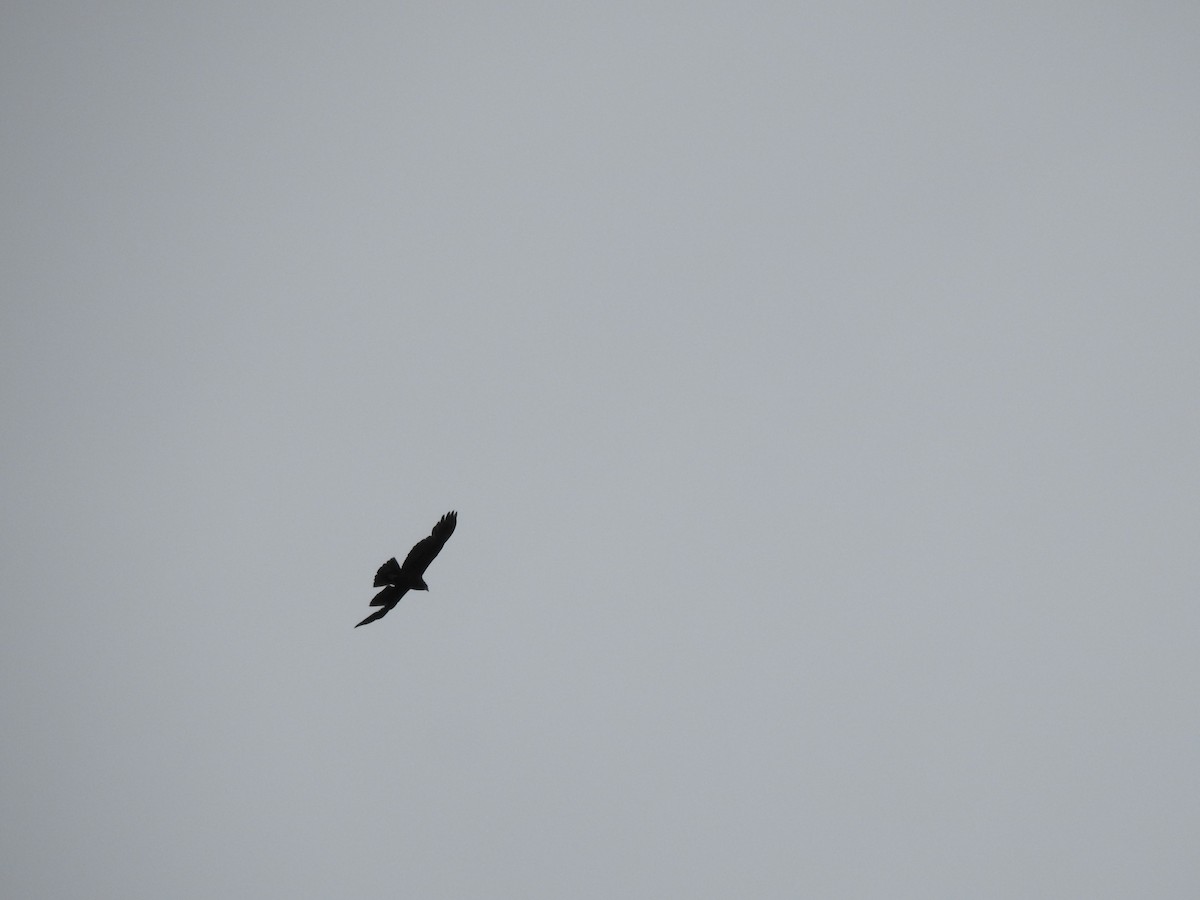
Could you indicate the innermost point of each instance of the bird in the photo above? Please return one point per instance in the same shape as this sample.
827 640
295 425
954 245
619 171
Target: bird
400 579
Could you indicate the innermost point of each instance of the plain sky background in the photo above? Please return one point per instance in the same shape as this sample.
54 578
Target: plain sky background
816 383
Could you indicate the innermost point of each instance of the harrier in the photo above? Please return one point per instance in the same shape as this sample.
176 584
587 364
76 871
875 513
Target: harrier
400 579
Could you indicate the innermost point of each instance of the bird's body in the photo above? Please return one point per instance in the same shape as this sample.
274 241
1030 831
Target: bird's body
397 580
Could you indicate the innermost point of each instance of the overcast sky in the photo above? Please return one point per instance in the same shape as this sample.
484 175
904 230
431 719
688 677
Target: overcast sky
816 384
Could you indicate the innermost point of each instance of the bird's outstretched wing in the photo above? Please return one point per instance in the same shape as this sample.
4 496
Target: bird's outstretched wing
378 614
426 550
389 596
389 573
387 599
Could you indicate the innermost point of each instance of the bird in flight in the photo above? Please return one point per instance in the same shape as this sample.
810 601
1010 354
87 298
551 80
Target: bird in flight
400 579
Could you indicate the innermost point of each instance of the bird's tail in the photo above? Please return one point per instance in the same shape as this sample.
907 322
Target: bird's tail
389 573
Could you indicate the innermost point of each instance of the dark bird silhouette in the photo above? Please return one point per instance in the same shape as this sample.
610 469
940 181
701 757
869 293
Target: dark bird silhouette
400 579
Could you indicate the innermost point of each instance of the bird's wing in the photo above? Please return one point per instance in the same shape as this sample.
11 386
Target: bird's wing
378 614
424 552
389 596
389 573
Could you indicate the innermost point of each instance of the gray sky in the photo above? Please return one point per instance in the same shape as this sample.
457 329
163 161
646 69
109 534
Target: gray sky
816 385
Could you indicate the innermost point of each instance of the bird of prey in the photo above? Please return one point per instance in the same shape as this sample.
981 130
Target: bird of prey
400 579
